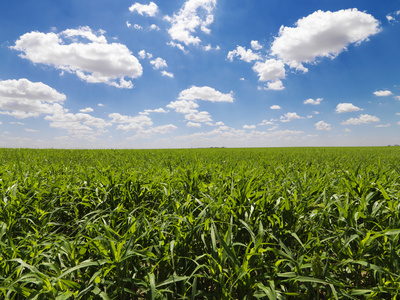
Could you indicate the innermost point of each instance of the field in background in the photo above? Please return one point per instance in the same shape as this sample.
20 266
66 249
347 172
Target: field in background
278 223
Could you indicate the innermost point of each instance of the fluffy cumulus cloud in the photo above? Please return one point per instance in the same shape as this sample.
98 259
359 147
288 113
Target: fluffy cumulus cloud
313 102
86 110
275 107
249 126
198 116
275 85
183 106
290 116
148 133
205 93
150 9
23 98
82 52
193 124
322 34
272 71
346 107
80 125
383 93
243 54
154 27
159 63
193 15
143 54
186 103
321 125
128 123
362 119
255 45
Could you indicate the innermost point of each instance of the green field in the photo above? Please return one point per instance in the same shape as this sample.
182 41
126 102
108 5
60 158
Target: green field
277 223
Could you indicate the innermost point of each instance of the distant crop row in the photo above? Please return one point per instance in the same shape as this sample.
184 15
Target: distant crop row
290 223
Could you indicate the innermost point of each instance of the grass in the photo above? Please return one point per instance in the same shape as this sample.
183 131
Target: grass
284 223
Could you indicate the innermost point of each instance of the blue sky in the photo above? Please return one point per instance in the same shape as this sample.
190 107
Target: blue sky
199 73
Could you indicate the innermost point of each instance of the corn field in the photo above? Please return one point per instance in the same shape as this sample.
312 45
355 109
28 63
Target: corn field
277 223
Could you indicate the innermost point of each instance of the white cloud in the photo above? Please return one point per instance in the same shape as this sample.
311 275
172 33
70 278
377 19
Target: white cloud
273 128
397 114
183 106
383 126
322 34
30 130
23 98
17 123
143 54
158 63
128 24
150 9
276 86
346 107
95 61
256 45
275 107
100 104
130 123
383 93
193 15
268 122
168 74
148 133
192 124
243 54
397 98
86 110
205 93
157 110
249 126
202 116
137 26
290 116
271 70
85 32
313 102
347 130
209 48
187 105
391 18
178 45
225 135
398 123
154 27
79 125
321 125
362 119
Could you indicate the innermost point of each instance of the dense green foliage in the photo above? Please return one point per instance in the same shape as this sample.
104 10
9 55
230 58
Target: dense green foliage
299 223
